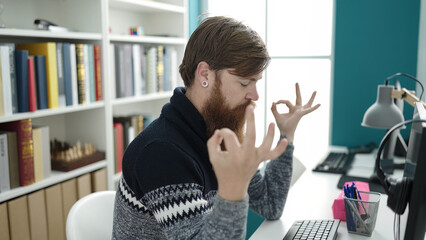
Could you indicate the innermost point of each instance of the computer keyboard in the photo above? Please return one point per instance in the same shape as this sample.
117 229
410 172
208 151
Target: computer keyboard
335 162
322 229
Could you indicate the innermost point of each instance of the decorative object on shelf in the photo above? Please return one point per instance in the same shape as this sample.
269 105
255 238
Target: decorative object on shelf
66 157
137 31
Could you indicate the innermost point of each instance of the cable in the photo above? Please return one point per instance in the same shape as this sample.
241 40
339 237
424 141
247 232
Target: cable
406 75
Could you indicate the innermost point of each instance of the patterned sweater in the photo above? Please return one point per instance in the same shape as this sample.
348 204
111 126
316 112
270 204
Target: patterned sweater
169 189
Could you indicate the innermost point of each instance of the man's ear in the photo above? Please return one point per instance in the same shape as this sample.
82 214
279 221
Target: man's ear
202 72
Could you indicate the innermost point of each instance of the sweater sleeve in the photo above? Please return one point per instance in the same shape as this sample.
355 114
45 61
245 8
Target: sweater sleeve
170 189
268 192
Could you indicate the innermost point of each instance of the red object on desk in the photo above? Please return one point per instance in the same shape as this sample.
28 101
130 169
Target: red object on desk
339 204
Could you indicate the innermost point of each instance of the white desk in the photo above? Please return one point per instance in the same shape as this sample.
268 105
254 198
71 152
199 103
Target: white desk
311 197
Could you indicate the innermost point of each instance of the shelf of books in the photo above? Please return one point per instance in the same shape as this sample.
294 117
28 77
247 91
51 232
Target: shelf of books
55 177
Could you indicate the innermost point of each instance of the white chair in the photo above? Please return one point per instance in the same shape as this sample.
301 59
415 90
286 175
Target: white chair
91 217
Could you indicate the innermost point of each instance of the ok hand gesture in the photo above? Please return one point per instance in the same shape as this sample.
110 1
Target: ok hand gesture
235 166
287 122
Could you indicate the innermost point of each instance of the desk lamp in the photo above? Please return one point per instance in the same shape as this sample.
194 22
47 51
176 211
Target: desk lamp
384 114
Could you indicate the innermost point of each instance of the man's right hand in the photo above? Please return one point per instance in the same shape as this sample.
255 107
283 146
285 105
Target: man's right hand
235 166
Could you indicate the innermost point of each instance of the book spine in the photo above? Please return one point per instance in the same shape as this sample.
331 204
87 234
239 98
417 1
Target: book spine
26 152
66 60
119 146
41 81
12 145
6 81
4 164
60 72
1 96
86 72
21 63
81 75
128 71
92 82
32 102
137 74
160 68
14 93
98 72
38 157
74 82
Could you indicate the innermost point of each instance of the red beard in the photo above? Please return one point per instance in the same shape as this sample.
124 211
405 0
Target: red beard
218 114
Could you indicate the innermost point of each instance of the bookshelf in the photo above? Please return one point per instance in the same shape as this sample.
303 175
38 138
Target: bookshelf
101 22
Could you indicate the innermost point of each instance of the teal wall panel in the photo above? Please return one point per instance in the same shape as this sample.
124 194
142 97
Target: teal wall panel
373 40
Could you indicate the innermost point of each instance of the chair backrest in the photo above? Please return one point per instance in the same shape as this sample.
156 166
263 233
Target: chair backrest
91 217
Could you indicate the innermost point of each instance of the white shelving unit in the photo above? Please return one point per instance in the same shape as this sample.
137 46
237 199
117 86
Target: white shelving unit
102 22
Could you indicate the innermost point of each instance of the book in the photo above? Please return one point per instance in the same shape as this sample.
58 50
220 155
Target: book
87 72
4 222
160 68
69 196
12 151
5 81
32 98
84 185
41 81
74 82
119 146
54 212
151 69
18 218
66 62
99 180
92 81
60 72
45 136
98 72
23 129
11 47
47 49
38 154
128 71
37 215
4 164
119 71
21 64
143 68
111 66
137 69
81 73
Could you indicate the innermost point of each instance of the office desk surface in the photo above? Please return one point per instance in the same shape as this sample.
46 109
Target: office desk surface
311 197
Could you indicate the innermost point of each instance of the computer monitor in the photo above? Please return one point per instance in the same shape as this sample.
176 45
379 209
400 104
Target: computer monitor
415 169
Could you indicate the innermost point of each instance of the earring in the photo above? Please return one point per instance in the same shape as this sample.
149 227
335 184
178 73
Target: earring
205 83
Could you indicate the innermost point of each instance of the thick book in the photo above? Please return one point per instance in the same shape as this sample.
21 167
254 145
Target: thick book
45 138
92 81
119 71
111 66
74 83
98 72
81 73
151 69
41 81
37 215
4 222
21 64
1 95
119 146
66 62
32 98
69 196
5 80
84 185
18 218
14 93
23 129
4 164
54 212
99 180
160 68
60 72
38 154
47 49
12 151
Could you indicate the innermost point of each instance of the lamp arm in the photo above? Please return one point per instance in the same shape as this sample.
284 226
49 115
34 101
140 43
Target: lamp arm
407 95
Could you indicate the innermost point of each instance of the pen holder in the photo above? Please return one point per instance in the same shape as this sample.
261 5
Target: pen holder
361 213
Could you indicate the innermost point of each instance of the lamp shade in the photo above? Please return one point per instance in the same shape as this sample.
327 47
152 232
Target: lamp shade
383 113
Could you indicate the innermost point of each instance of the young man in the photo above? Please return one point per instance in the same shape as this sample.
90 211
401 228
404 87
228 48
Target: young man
192 174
